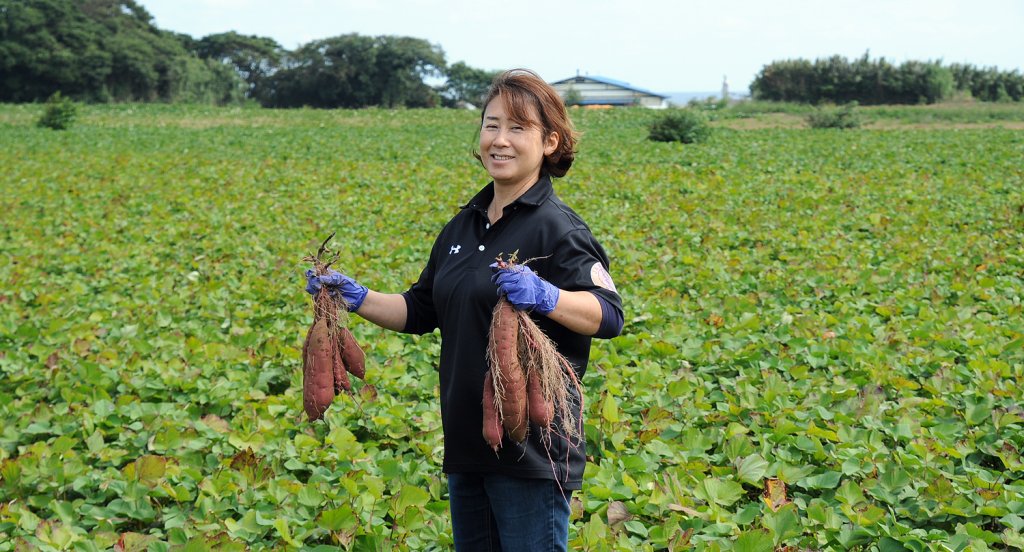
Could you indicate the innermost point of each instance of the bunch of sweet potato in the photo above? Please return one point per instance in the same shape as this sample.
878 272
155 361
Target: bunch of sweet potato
528 381
330 352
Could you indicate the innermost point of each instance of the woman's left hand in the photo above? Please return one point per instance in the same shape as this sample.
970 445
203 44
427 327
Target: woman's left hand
524 289
339 286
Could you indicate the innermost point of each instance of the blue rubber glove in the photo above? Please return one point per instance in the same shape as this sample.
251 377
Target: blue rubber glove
339 286
524 289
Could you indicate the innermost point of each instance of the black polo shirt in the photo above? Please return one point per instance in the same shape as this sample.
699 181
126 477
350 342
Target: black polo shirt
455 294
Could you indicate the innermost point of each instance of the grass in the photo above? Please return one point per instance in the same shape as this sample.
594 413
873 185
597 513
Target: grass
953 114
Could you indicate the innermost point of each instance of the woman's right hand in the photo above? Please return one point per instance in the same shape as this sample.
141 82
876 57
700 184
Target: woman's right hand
339 286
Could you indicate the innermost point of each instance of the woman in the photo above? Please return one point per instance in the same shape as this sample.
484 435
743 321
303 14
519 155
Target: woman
519 498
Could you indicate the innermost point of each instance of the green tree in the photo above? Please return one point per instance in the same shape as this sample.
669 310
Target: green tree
46 46
333 72
354 71
254 58
204 81
837 80
143 57
921 82
789 80
99 50
402 65
988 84
466 84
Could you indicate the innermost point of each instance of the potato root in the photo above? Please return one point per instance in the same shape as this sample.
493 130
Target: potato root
492 419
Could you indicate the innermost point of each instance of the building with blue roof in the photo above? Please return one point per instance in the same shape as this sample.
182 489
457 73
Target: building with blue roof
593 90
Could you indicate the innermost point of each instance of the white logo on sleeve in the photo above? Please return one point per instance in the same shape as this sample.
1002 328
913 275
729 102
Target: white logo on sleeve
601 278
454 250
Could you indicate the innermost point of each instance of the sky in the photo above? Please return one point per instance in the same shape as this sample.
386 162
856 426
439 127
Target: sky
663 46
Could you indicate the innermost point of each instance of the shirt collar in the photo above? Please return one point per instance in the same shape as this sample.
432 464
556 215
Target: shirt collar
536 195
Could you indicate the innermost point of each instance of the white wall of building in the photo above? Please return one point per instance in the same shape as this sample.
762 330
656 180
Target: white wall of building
594 92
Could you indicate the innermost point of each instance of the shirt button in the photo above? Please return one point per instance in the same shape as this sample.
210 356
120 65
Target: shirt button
488 225
481 248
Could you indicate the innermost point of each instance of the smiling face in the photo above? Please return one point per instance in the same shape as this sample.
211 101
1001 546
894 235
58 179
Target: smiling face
513 151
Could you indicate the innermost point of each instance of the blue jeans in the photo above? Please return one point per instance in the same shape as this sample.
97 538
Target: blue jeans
499 513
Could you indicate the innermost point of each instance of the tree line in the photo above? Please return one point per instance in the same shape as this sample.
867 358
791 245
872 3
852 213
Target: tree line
877 81
111 51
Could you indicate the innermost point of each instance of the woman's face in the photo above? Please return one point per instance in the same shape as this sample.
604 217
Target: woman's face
512 152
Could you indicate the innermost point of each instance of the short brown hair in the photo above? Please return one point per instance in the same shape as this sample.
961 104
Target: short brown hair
521 88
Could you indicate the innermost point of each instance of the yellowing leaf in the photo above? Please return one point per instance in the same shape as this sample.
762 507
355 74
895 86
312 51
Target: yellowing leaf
149 468
610 409
816 431
775 494
617 513
281 524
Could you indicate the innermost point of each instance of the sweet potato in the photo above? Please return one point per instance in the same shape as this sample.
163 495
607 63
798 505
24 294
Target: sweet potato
341 382
317 372
541 410
351 354
509 378
492 420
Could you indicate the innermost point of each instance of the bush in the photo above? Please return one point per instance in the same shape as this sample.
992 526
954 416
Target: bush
709 104
60 112
682 125
841 117
573 97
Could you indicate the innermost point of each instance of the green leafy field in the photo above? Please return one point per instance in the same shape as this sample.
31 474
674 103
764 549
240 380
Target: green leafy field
824 341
